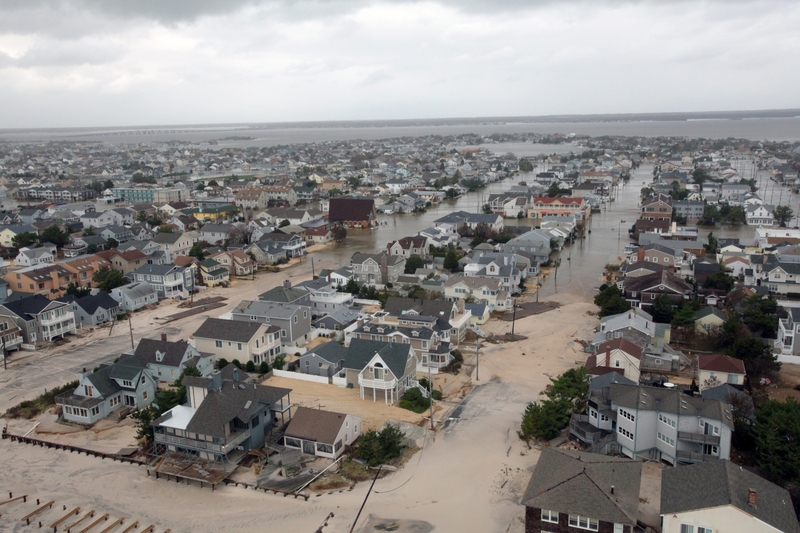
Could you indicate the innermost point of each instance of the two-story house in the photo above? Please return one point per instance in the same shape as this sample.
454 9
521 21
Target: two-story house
135 296
715 369
408 246
174 244
223 419
500 267
385 368
169 280
618 355
238 339
490 292
35 256
39 318
10 334
92 309
570 207
293 320
125 383
759 215
377 269
237 262
657 208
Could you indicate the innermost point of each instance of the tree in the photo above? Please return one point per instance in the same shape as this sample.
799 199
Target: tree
112 243
776 436
339 233
279 362
611 301
108 279
783 214
700 175
487 209
683 318
380 447
711 247
197 252
352 286
413 263
199 186
26 238
543 420
222 363
91 249
165 229
240 234
54 235
663 309
213 183
108 184
721 281
451 260
263 368
759 361
73 289
710 216
250 366
284 223
165 400
141 216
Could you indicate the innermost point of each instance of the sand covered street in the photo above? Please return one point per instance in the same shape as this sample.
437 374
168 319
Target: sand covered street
467 477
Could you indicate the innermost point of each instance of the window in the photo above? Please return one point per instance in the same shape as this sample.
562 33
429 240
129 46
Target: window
549 516
616 363
218 344
687 528
144 395
89 390
95 411
126 383
626 414
142 379
619 528
295 319
583 522
239 346
666 439
668 421
704 530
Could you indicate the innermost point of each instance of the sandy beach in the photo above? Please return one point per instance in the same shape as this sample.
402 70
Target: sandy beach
468 476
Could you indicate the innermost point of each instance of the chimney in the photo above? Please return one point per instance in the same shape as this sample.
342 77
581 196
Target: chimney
236 375
287 284
640 253
216 381
163 337
612 489
752 497
608 356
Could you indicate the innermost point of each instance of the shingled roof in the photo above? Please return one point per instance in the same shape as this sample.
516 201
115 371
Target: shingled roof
315 424
600 486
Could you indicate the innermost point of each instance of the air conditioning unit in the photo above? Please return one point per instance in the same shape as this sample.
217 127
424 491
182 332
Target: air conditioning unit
240 448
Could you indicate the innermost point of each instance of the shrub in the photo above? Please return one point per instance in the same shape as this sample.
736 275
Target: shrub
263 368
424 383
457 356
414 400
237 364
250 366
222 363
379 447
436 394
279 362
30 408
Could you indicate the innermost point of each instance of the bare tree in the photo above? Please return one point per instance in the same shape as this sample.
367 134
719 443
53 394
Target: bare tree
240 234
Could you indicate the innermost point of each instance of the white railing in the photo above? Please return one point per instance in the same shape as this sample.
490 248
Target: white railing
58 319
377 383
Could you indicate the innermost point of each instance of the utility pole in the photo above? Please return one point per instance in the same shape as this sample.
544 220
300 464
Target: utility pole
477 366
5 355
430 389
365 498
130 328
537 288
313 274
513 315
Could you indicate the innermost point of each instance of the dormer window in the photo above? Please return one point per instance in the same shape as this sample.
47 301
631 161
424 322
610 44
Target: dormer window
367 328
159 356
415 333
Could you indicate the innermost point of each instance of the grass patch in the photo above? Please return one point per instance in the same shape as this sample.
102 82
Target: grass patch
355 471
336 481
30 408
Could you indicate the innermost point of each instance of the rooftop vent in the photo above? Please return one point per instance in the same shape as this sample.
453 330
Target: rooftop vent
249 402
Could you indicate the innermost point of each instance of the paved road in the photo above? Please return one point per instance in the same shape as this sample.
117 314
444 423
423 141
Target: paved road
30 373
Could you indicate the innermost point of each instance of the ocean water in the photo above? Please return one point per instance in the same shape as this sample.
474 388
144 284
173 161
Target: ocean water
743 126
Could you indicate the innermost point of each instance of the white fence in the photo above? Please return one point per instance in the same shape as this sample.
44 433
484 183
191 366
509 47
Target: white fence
360 301
793 359
294 349
301 377
339 382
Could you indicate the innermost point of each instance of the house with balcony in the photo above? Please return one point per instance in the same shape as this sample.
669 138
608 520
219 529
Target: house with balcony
165 360
238 339
224 417
499 267
384 369
169 280
657 208
427 344
722 496
323 297
39 318
237 262
212 273
788 328
449 319
124 384
121 234
573 491
286 294
10 334
489 292
293 320
662 424
574 208
321 433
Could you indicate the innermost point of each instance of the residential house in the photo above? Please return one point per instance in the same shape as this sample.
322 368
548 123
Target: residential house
224 418
562 207
426 342
237 262
709 319
293 245
35 256
688 209
573 491
487 291
449 319
121 234
408 246
134 296
256 198
716 369
100 219
212 273
617 355
240 340
9 231
323 297
535 242
722 496
169 280
215 233
173 244
124 384
759 215
267 252
93 309
321 433
126 262
10 334
323 360
166 360
644 291
388 369
286 294
499 267
636 325
479 313
49 280
352 212
294 320
377 269
657 208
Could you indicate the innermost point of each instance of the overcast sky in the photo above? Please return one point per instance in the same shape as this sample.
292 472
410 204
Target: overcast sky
133 62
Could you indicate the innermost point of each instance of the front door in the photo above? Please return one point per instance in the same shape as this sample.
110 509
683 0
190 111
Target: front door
130 401
308 447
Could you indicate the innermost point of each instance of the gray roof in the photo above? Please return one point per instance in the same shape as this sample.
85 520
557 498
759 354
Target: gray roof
573 482
669 401
331 351
341 316
267 309
283 294
362 351
91 303
726 392
316 425
230 330
128 368
158 270
173 352
720 483
708 310
102 382
137 289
